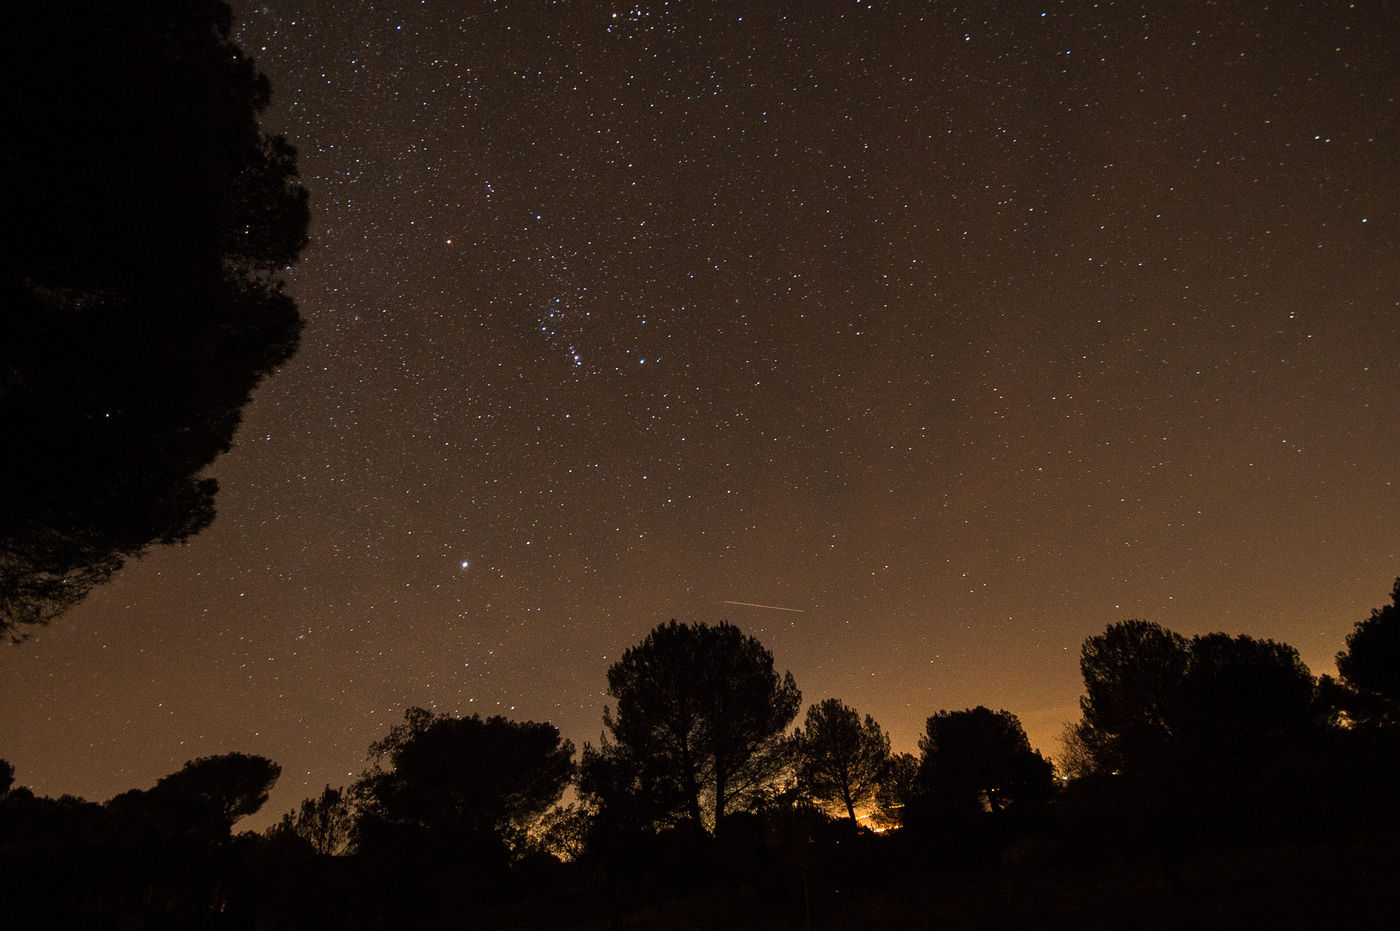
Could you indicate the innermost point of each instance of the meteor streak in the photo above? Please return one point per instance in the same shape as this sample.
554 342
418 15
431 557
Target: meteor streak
750 604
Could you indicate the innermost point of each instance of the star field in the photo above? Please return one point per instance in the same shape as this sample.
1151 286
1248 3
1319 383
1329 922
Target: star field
964 329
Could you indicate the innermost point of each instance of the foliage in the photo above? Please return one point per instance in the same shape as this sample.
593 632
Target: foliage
323 823
204 799
1239 690
628 793
143 292
159 857
979 760
1131 676
564 831
895 790
230 785
466 784
840 758
698 731
1371 662
1080 751
1217 734
1157 704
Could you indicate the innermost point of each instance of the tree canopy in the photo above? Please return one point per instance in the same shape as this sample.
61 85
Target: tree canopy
322 823
699 727
467 783
1371 661
1155 702
978 760
896 790
1132 673
204 799
151 221
1242 689
840 758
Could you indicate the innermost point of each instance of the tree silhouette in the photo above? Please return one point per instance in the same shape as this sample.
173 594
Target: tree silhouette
979 760
470 785
628 794
1211 736
1156 703
204 799
700 720
1132 677
840 758
1246 722
152 221
1240 690
323 822
1371 662
896 789
1081 751
564 830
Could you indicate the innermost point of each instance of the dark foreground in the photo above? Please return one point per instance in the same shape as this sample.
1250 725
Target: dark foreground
841 880
1344 884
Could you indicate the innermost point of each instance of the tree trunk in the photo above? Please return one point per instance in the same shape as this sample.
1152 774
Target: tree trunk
692 791
720 781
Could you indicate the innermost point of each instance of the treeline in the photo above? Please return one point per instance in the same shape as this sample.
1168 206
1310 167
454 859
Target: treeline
1209 780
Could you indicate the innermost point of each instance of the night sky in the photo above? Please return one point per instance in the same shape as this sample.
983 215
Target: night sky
964 330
